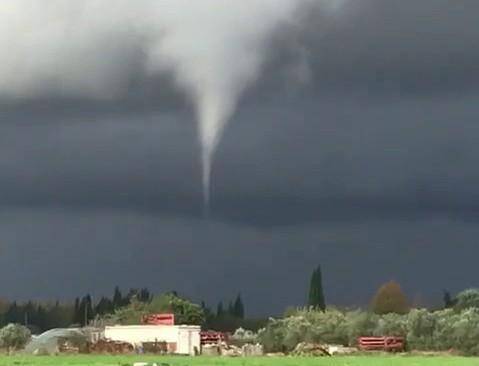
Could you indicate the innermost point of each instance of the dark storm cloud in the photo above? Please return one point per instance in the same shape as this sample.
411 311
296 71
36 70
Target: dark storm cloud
350 160
357 148
65 252
329 151
390 46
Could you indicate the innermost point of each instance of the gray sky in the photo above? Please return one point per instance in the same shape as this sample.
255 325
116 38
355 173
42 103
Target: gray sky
356 148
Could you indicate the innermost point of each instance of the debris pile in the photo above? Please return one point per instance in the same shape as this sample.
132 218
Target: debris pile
69 347
111 347
229 350
210 350
155 347
252 350
341 350
310 349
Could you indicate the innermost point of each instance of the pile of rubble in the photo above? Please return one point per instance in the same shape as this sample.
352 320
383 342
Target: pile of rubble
310 349
111 347
341 350
229 350
319 350
155 347
252 350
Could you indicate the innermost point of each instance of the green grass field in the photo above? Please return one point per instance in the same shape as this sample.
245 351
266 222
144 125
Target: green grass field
264 361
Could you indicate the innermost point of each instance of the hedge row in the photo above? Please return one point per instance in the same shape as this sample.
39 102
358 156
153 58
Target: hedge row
424 330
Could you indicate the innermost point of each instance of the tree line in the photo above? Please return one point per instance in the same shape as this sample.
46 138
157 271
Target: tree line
227 316
41 316
389 297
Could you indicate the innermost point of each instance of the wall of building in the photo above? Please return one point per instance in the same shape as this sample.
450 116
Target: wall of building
185 337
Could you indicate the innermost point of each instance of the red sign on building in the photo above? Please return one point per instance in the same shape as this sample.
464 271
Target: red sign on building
159 319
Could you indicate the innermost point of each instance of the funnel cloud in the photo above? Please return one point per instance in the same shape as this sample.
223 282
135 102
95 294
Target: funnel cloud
215 49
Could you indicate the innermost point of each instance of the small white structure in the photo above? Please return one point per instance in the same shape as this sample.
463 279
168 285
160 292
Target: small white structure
181 339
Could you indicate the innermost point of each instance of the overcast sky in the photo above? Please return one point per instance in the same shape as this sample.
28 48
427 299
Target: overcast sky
356 148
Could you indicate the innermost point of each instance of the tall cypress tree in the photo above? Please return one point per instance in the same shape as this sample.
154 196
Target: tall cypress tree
238 307
449 301
77 315
316 294
231 309
117 298
220 310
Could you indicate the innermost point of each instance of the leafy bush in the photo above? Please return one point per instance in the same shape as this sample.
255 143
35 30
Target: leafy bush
391 325
360 323
242 335
307 326
14 336
436 331
330 327
421 326
467 299
185 311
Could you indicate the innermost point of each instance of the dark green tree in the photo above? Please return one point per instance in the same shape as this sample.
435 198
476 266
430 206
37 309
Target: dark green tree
104 306
13 314
41 318
219 309
77 316
144 295
85 311
118 301
231 309
29 314
449 301
316 294
238 307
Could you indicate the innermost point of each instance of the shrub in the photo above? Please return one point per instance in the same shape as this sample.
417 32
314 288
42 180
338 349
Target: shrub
360 323
421 325
467 299
185 311
391 325
436 331
465 332
243 336
14 336
273 336
328 327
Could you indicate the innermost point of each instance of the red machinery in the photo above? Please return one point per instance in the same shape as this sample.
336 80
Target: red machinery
159 319
390 344
212 337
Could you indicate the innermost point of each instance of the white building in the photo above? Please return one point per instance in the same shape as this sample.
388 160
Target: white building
181 339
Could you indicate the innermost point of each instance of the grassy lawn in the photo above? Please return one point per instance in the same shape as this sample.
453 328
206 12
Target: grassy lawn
264 361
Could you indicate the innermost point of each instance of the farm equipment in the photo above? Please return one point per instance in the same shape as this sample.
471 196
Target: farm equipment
388 344
212 337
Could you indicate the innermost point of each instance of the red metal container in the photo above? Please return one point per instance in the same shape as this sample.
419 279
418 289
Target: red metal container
212 337
389 344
